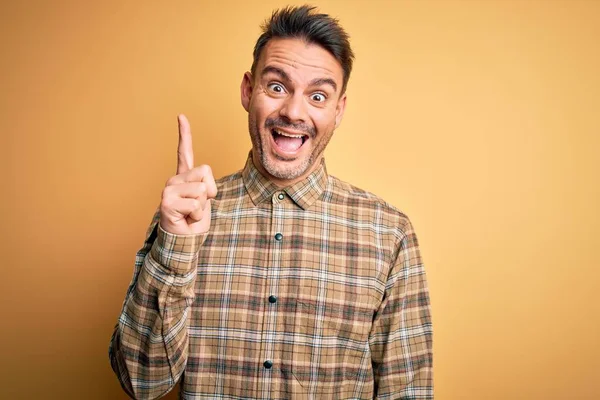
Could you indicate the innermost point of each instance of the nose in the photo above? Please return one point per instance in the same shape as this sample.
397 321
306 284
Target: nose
294 108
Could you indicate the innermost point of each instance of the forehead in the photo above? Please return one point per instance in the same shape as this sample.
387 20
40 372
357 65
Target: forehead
300 60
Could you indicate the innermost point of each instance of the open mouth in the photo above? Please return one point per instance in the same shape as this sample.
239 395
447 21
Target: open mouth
288 142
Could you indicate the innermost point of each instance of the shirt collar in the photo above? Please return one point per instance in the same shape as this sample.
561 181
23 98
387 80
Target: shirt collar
304 193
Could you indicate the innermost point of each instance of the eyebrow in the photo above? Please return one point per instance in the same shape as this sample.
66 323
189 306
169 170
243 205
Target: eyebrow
276 71
324 81
284 76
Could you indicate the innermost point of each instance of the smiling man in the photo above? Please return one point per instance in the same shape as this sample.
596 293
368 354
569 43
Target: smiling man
279 281
295 99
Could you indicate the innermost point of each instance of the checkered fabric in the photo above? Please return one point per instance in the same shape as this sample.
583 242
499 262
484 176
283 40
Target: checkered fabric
313 291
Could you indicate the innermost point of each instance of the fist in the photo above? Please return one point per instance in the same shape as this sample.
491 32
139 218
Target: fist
185 204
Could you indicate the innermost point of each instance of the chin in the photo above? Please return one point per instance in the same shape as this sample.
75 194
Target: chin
285 169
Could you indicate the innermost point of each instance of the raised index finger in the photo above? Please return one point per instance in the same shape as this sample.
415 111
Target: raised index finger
185 152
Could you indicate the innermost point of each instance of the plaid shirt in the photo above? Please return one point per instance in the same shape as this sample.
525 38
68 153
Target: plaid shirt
314 291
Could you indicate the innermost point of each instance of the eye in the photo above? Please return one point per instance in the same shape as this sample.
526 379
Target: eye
276 88
318 97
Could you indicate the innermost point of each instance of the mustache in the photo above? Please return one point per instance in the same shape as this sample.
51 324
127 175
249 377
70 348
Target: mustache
271 123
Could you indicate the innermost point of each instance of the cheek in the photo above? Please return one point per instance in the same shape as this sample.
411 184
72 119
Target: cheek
263 107
324 121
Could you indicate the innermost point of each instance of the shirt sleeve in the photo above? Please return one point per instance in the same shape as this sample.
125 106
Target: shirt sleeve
149 346
401 335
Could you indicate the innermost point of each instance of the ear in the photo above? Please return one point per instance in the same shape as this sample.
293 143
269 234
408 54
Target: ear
339 110
246 90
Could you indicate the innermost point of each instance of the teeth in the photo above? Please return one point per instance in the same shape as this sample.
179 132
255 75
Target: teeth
288 135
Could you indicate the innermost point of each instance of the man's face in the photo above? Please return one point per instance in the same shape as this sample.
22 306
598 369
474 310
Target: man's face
294 104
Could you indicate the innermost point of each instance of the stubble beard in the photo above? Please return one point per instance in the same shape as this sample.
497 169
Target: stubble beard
272 166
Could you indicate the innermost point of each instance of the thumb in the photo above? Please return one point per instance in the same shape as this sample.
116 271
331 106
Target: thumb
185 151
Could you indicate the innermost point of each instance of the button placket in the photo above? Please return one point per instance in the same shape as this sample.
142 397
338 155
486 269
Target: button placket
272 286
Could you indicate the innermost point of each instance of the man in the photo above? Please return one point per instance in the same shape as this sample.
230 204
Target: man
279 281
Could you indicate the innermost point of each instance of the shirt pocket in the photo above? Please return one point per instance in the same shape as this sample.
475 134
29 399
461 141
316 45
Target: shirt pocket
331 349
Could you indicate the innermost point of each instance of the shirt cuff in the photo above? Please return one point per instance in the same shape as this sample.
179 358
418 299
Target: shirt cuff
177 253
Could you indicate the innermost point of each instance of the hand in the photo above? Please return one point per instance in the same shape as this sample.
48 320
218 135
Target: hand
185 205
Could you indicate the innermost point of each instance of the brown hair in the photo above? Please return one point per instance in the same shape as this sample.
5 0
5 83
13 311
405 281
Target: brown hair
304 23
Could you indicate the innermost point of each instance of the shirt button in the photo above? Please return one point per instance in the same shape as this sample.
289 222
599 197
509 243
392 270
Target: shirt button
278 237
280 196
268 364
272 299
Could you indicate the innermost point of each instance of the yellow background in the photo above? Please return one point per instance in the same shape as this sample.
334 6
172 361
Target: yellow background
479 119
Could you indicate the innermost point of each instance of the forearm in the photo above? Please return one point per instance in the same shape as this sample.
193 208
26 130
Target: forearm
401 338
150 344
405 370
